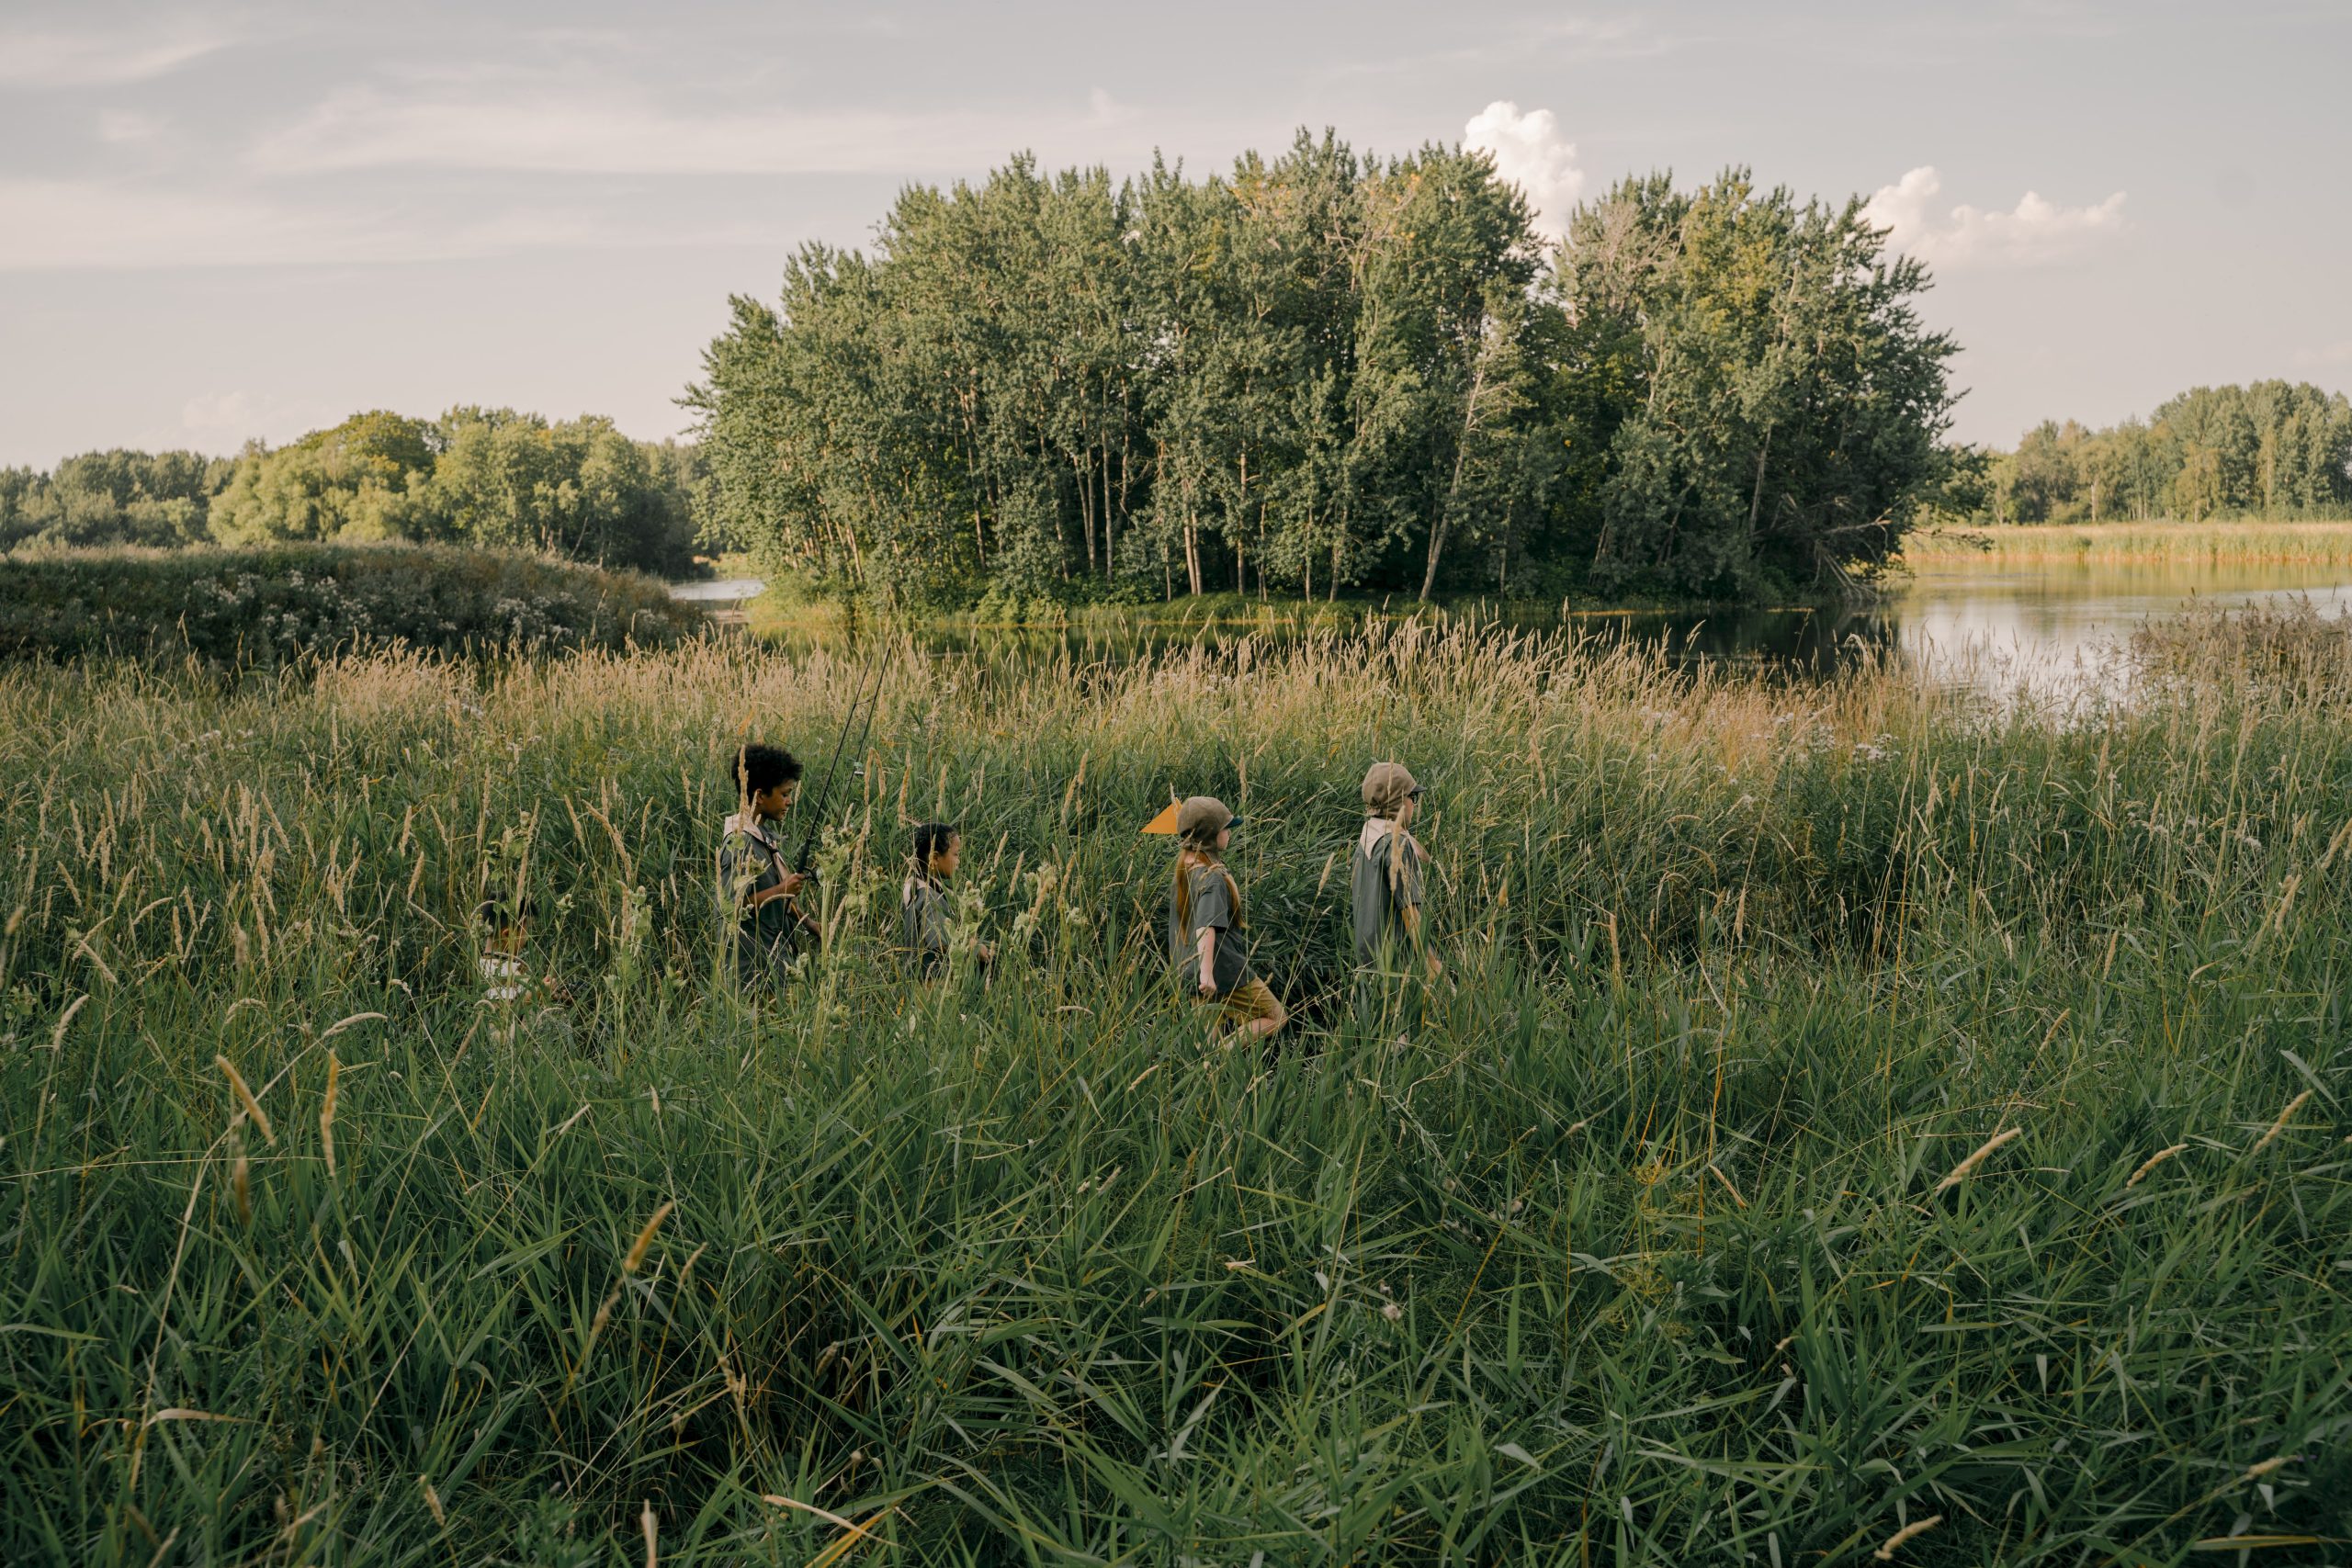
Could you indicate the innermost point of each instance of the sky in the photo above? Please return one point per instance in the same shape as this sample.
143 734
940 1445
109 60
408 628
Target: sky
243 221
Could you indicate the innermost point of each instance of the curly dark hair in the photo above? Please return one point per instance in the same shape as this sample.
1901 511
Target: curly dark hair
930 839
758 768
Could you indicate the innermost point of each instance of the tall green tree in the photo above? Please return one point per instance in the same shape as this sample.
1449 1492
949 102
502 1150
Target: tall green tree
116 497
361 480
2273 449
1779 405
1322 370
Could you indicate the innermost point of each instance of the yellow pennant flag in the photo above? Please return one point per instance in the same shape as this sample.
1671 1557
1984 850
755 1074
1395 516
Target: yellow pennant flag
1163 823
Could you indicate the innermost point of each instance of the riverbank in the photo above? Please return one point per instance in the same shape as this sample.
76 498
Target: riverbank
794 617
2312 544
272 604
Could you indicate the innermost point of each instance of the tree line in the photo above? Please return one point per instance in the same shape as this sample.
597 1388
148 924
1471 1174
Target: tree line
577 489
1325 371
2270 450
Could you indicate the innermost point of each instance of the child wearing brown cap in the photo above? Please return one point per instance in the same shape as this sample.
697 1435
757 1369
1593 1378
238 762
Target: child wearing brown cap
1385 877
1203 913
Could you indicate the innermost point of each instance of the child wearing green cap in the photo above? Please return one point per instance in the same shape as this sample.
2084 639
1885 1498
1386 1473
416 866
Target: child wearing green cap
1203 913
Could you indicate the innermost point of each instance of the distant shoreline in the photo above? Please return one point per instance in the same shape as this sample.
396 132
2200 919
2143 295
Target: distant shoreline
2311 543
785 615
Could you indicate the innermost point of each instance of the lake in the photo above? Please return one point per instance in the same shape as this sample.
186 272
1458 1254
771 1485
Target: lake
1998 627
2001 626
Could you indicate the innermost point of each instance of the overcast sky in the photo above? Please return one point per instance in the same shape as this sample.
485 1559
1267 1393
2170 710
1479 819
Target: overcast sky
223 222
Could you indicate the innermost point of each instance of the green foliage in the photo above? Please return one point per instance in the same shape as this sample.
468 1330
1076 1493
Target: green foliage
1323 371
110 498
358 480
271 606
1770 404
1638 1246
491 478
2270 450
580 490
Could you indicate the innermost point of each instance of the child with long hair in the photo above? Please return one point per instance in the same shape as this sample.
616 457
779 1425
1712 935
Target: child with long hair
1204 916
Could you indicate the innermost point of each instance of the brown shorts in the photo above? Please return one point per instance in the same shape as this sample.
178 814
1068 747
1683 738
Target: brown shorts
1248 1001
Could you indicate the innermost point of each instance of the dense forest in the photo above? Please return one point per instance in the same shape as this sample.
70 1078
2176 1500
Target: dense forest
2271 450
577 489
1322 372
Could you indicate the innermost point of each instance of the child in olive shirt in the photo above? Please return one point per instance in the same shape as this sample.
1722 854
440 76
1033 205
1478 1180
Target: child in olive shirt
1203 913
756 883
924 911
1386 878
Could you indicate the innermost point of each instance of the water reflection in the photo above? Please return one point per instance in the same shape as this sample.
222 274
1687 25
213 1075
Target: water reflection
2051 625
2048 628
718 591
2004 629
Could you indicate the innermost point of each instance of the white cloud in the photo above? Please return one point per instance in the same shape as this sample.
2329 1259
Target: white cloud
2327 353
52 225
1529 153
47 224
2035 232
588 126
93 60
222 421
121 128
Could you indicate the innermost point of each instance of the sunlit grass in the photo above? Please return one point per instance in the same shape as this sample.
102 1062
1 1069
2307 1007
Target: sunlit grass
2256 543
1848 1109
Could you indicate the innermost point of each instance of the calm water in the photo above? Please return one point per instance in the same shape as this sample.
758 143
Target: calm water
720 591
2047 628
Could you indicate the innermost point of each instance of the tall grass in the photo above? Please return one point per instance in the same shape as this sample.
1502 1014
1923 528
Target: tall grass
2187 543
1848 1110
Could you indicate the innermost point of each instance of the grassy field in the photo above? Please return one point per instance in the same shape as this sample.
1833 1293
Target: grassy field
1856 1124
2200 544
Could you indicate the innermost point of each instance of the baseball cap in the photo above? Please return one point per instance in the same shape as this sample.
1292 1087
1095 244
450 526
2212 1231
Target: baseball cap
1202 814
1388 785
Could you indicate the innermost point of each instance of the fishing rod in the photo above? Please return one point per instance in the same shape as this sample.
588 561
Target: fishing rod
806 859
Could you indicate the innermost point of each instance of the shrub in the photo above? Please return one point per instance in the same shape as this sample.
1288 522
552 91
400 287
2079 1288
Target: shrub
272 604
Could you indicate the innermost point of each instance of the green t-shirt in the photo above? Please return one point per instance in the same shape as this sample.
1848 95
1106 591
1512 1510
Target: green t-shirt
1384 877
927 923
1213 905
750 860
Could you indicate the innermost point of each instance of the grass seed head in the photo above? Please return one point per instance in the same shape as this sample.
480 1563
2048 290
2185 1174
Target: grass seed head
2281 1125
245 1098
1921 1527
326 1112
1966 1168
645 1238
65 1021
2152 1161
